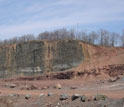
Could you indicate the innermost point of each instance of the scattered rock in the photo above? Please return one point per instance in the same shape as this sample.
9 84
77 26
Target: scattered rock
27 87
101 104
101 81
50 94
64 97
41 95
30 87
14 95
49 105
12 85
99 97
10 101
58 86
75 96
123 99
89 98
112 79
6 85
45 87
73 88
33 87
83 98
27 96
11 95
58 104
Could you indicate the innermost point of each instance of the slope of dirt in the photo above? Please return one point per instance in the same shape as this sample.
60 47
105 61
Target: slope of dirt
102 62
99 56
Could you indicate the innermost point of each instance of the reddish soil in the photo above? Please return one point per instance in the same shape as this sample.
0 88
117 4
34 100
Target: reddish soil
34 88
102 72
88 88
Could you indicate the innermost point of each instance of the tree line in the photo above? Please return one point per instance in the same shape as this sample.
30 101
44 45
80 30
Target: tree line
101 37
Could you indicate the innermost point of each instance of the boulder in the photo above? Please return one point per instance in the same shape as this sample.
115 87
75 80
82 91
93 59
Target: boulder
83 98
27 87
33 87
64 97
41 95
75 96
73 87
123 99
6 85
58 86
50 94
99 97
112 79
13 95
27 96
44 88
12 85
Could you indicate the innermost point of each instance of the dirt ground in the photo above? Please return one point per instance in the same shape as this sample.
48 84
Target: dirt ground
13 93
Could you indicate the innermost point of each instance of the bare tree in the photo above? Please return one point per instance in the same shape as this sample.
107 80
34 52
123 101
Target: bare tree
72 34
29 37
44 35
92 38
114 39
104 37
82 36
122 39
1 42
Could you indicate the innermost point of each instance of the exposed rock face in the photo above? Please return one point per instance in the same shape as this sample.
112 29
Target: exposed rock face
40 56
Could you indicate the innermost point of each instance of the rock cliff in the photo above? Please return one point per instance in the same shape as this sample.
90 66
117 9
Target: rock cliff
40 56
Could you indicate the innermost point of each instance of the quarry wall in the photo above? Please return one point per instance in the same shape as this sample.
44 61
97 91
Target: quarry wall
40 56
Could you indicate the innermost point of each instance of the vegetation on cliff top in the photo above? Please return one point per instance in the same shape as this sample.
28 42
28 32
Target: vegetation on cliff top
101 37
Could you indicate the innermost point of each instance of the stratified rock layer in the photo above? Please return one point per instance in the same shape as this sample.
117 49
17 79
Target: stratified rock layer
40 56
